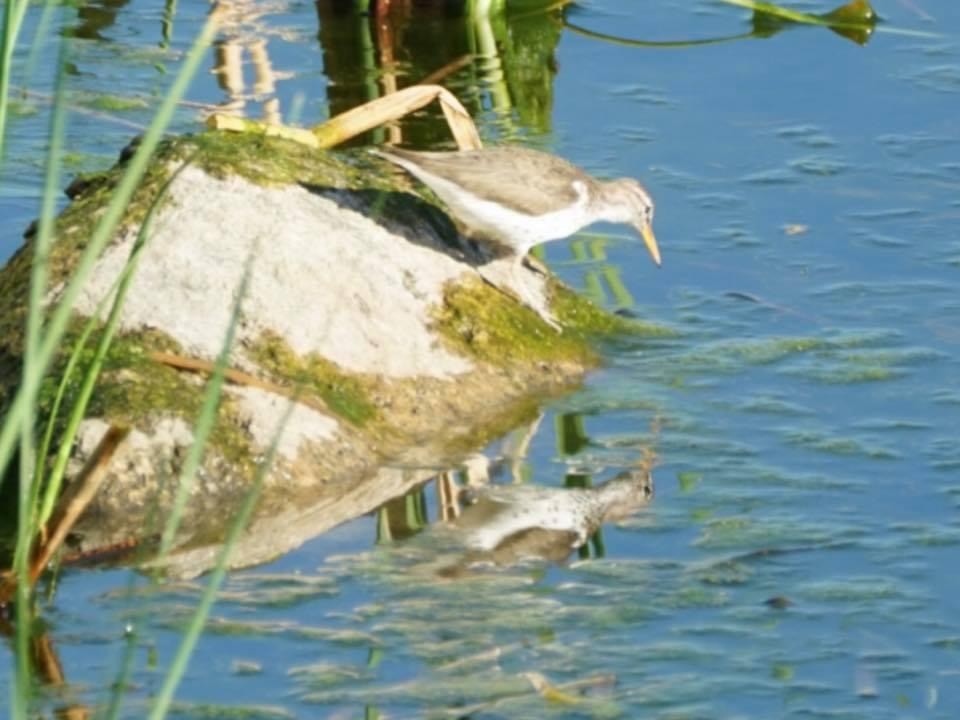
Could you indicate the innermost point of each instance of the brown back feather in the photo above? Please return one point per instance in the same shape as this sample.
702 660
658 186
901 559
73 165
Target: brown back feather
525 180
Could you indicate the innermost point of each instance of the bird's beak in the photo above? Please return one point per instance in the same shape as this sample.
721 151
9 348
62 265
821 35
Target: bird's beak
646 231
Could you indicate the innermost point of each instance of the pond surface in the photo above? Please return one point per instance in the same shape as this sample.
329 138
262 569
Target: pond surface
800 557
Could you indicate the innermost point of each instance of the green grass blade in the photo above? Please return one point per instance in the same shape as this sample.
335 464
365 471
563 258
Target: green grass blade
179 665
69 369
37 44
57 324
488 8
38 289
123 674
206 419
79 409
30 380
13 13
169 13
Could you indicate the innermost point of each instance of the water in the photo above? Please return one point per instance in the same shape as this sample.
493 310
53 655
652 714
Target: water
799 559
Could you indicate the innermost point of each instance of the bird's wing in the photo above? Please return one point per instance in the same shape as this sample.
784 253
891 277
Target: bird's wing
503 175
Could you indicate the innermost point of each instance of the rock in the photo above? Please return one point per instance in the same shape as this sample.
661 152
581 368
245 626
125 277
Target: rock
364 307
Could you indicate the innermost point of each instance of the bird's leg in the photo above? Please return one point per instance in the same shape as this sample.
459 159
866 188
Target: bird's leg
516 288
535 264
498 286
522 288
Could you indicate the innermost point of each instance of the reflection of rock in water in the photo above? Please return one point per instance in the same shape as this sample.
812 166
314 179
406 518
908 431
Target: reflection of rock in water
507 524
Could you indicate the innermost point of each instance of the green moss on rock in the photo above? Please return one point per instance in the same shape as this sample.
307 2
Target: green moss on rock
485 323
480 321
271 161
133 386
344 394
578 314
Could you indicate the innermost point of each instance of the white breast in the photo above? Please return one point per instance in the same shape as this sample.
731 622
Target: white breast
503 225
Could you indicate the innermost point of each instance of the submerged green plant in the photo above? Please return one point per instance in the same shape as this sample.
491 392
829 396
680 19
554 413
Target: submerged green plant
856 20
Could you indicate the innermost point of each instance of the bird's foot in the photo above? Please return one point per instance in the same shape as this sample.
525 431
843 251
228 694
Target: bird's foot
549 320
542 312
520 295
536 265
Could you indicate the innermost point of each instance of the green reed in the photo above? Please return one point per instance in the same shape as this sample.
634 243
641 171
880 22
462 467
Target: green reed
45 330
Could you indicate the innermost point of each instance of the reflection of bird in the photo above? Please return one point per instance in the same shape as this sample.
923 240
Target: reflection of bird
518 198
509 523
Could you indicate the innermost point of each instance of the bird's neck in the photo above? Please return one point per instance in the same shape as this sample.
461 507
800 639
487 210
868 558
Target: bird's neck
622 494
605 201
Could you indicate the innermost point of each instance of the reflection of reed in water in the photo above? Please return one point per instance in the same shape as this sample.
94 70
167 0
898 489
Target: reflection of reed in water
500 63
244 31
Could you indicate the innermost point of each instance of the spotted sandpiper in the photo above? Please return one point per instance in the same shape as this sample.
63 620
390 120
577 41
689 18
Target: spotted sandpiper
518 198
505 524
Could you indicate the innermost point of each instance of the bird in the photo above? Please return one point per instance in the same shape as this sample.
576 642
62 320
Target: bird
506 524
517 198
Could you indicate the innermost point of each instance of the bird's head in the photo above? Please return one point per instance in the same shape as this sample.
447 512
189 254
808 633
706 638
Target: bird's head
630 202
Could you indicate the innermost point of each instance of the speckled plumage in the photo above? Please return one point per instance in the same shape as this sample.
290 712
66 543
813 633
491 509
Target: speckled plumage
490 174
504 515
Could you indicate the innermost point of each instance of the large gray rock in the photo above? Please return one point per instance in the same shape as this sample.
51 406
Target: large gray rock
364 304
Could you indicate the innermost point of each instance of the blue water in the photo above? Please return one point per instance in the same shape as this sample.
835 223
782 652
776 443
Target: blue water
804 418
